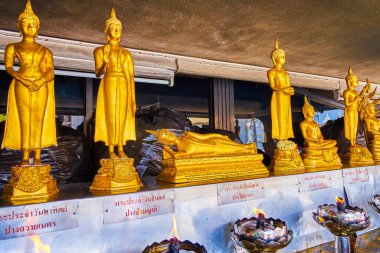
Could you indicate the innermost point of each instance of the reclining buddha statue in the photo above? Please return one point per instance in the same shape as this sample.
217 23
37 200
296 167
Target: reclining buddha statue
317 151
206 157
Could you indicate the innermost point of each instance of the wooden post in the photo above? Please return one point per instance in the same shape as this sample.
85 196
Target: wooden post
88 104
222 106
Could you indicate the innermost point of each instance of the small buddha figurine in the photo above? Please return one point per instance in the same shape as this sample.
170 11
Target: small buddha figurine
317 151
30 118
194 157
356 155
115 111
286 157
281 109
116 104
30 121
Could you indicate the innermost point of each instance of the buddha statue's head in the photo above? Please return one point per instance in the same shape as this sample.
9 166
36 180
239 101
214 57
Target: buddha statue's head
307 109
351 79
164 136
28 23
278 55
113 27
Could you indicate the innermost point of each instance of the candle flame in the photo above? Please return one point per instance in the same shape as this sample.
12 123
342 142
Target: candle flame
339 200
39 246
257 211
174 232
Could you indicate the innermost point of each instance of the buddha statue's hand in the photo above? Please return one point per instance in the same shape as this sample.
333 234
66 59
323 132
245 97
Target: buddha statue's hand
40 82
289 91
28 83
107 53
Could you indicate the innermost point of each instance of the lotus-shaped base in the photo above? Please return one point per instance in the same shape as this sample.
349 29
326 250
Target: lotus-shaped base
375 203
274 236
342 223
167 246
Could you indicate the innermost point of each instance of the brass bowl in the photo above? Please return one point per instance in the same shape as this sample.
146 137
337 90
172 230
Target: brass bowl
166 246
342 223
375 203
274 235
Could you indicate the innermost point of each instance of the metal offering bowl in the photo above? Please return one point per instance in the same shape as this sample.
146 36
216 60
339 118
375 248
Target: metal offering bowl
375 203
342 223
167 246
274 235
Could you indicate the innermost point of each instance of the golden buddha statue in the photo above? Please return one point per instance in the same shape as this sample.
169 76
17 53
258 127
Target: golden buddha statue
115 110
317 151
207 157
368 113
30 118
356 155
286 156
280 106
372 131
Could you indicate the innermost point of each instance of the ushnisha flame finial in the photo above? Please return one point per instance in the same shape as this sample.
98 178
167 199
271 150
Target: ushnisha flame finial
306 107
112 20
276 44
350 71
28 13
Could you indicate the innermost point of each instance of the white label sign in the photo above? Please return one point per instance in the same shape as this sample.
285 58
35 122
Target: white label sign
138 206
314 181
240 191
19 221
355 175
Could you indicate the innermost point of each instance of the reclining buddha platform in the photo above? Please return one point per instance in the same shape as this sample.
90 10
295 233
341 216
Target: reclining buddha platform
208 169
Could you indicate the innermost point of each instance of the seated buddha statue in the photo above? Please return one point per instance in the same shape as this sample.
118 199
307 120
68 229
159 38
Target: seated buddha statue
372 130
191 144
317 151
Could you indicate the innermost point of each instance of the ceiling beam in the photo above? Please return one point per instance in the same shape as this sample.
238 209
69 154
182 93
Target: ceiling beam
78 56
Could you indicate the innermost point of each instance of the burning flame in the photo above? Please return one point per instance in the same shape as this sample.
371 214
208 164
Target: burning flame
257 212
339 200
39 246
174 232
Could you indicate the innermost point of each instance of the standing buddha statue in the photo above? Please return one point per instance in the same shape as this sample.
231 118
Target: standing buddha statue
30 118
317 152
286 157
115 110
356 155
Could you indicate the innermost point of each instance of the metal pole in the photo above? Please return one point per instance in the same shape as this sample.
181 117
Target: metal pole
342 244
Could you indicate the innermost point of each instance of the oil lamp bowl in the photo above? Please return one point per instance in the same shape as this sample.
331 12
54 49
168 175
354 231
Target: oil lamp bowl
375 203
342 223
164 247
274 235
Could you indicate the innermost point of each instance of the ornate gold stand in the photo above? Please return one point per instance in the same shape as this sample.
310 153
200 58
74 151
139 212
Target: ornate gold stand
321 158
116 175
358 156
286 158
30 182
209 169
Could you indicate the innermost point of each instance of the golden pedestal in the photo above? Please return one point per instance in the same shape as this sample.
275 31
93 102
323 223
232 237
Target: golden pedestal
30 183
357 156
321 158
116 175
286 158
208 169
374 148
